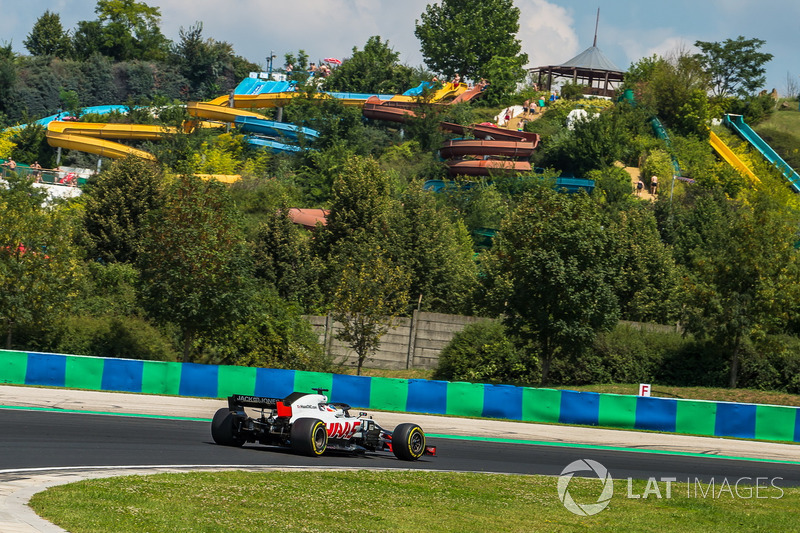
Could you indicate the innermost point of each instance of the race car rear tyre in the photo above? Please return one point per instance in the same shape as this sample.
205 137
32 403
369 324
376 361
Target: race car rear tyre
408 442
309 436
223 429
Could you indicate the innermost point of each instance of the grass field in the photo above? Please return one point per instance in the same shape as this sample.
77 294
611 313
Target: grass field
402 501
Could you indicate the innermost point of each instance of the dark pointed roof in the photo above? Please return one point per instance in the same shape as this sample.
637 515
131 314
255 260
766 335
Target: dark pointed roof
591 59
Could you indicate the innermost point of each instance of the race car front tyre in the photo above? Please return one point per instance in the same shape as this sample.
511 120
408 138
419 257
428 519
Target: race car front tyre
223 429
309 436
408 442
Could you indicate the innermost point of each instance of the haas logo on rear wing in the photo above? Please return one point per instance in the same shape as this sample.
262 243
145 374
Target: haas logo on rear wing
339 430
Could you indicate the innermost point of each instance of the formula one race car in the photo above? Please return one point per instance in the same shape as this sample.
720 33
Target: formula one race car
309 425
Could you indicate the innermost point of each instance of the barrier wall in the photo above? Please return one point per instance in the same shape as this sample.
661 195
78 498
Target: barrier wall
696 417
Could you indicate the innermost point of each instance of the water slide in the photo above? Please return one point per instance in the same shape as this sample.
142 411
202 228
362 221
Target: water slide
731 158
737 124
256 124
280 99
93 137
661 133
468 95
250 93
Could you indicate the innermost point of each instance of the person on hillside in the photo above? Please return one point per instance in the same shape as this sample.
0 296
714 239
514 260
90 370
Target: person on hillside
653 184
639 187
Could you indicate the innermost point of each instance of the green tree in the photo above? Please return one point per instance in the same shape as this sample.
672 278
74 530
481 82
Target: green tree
38 261
483 353
31 145
552 273
274 334
8 79
361 201
743 270
209 65
736 65
504 74
117 203
375 69
193 260
435 251
595 143
371 292
675 89
648 281
48 38
125 30
282 257
87 39
462 36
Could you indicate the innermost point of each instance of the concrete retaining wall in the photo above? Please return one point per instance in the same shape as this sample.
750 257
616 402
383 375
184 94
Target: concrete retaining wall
410 342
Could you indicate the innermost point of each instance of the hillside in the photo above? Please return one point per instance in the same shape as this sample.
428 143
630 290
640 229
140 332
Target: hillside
782 132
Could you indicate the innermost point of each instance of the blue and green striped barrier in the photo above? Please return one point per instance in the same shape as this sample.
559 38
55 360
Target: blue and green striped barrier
695 417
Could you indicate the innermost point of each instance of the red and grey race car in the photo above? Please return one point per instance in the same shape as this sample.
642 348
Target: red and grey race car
310 425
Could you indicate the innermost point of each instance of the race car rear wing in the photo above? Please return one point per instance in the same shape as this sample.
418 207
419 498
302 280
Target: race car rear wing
238 401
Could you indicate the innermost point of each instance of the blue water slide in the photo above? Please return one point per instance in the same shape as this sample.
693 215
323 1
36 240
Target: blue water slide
272 145
416 91
97 109
737 124
359 96
259 86
271 128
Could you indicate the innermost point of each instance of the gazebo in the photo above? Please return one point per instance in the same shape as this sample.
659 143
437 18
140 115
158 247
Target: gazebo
591 68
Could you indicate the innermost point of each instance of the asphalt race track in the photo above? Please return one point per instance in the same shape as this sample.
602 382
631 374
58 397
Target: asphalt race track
48 440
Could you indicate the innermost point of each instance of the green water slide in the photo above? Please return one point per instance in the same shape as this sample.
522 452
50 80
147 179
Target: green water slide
737 124
661 133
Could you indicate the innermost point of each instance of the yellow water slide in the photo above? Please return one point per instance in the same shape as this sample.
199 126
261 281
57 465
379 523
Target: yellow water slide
731 158
448 90
91 137
212 111
258 101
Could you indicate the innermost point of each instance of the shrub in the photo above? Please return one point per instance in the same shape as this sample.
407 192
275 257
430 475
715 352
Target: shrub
481 353
112 336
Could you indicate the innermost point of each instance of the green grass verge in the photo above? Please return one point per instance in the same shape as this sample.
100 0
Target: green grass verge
400 501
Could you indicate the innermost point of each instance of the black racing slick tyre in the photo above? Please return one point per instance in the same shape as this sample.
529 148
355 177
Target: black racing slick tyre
408 442
224 430
309 436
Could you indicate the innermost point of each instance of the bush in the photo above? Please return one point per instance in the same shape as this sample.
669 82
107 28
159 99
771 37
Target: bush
127 337
624 355
775 366
481 353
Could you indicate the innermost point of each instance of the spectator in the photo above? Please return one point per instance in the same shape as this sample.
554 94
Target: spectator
36 172
653 184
